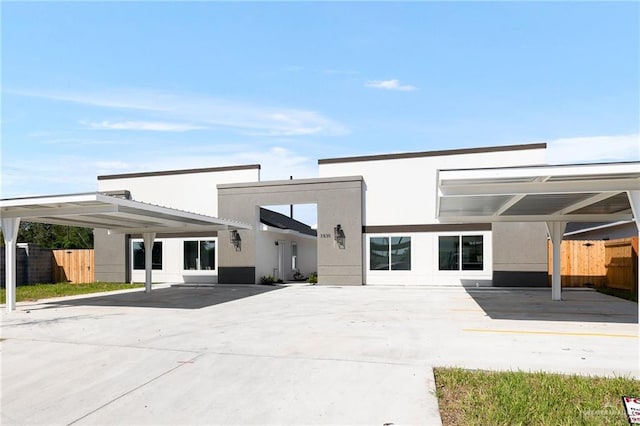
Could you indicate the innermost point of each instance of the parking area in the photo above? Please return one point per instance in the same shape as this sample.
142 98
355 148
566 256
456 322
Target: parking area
291 355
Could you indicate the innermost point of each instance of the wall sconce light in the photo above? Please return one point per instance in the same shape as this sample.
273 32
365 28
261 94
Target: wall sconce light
235 239
338 234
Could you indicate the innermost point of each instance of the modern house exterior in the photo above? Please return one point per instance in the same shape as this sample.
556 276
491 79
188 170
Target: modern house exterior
377 224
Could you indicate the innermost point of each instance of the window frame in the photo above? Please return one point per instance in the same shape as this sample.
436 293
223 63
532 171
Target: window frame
460 253
391 253
199 242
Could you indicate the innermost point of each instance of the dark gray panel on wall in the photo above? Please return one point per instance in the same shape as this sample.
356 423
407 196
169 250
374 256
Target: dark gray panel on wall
520 279
236 275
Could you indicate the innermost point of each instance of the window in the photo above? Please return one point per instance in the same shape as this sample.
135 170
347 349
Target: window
199 255
452 249
392 253
138 255
294 255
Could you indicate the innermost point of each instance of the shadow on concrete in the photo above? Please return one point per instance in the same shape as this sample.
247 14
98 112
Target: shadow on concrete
177 297
535 304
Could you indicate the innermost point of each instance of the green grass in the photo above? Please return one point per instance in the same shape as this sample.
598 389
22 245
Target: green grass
45 291
469 397
623 294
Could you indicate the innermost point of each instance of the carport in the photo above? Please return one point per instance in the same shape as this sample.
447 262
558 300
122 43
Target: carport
555 195
97 210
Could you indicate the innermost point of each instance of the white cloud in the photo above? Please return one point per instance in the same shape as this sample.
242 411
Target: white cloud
156 126
201 111
390 85
594 149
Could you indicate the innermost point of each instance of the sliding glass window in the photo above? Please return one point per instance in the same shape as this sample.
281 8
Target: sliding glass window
452 248
392 253
199 255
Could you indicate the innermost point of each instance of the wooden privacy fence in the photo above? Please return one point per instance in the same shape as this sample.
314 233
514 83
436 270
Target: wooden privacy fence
598 263
74 266
622 263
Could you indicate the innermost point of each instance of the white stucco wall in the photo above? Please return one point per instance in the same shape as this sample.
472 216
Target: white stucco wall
194 192
403 191
424 263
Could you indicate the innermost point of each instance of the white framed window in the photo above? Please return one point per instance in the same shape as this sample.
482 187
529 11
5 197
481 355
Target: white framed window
460 253
390 253
199 255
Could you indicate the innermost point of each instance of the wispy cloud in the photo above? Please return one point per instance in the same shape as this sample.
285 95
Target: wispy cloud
594 149
170 109
156 126
390 85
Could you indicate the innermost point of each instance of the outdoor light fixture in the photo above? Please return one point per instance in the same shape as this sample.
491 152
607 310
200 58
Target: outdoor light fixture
236 240
338 234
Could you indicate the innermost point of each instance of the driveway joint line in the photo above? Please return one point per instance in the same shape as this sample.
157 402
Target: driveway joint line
140 386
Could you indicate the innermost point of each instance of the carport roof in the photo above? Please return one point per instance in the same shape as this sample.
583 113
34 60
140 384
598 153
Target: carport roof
569 193
118 215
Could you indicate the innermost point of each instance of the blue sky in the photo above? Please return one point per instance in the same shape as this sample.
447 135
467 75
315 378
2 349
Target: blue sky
98 88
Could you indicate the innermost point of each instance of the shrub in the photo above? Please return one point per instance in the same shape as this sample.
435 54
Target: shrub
313 278
267 279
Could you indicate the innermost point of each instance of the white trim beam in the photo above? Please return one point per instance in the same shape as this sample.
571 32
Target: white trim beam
530 188
159 229
26 214
568 170
538 218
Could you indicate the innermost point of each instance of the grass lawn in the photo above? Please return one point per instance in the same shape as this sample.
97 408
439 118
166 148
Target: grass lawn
469 397
44 291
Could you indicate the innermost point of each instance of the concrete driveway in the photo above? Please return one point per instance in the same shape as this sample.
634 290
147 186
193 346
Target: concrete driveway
291 355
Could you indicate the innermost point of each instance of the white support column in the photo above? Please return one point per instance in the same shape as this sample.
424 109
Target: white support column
148 238
556 232
634 200
10 228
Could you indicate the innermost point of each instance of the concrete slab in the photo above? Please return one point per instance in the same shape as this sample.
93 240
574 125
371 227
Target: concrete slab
291 355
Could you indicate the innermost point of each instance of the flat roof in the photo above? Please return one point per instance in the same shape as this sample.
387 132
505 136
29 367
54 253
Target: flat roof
180 172
405 155
118 215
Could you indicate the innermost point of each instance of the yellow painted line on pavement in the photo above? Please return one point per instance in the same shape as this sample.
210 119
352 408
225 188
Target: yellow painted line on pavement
550 333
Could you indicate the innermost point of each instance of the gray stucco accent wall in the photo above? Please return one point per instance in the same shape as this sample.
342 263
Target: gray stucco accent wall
111 256
519 254
339 201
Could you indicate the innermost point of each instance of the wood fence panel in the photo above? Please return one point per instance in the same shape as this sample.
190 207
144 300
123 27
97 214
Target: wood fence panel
621 263
583 262
76 266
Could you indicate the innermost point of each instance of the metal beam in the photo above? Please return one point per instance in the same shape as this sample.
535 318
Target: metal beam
556 232
149 238
516 198
530 188
584 203
10 227
28 213
538 218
